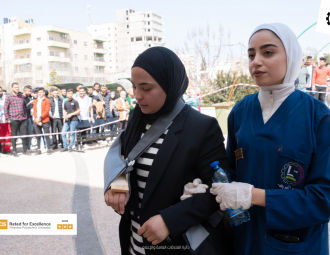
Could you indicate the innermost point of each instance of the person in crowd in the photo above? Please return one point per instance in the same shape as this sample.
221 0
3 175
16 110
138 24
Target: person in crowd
70 122
105 98
327 65
192 99
310 69
15 112
119 89
278 167
4 92
46 93
131 100
153 213
64 97
29 101
4 125
56 114
76 95
90 91
115 113
97 87
315 64
123 108
41 110
86 110
303 78
319 82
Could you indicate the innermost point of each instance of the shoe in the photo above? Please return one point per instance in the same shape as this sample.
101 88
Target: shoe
62 146
27 153
14 153
49 152
64 149
85 146
105 142
55 147
38 152
5 152
70 149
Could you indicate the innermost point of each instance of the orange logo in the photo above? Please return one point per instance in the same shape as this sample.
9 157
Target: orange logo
64 226
3 224
59 226
70 226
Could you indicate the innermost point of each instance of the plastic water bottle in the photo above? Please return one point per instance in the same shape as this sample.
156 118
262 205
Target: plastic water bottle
219 175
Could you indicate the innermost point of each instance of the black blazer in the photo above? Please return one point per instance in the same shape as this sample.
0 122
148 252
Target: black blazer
192 143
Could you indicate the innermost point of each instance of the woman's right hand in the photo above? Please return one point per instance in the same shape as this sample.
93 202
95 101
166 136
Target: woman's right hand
117 200
196 187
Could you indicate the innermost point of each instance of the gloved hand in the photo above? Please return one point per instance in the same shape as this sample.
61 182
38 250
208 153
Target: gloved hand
195 187
232 195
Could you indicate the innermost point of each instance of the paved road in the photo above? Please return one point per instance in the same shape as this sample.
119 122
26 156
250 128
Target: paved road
60 183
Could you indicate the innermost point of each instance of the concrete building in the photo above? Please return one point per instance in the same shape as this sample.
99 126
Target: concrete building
133 33
30 53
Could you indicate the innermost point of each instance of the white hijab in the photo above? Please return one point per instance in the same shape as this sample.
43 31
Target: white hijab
272 96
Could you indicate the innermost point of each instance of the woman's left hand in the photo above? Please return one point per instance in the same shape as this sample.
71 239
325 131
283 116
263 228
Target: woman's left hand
232 195
154 230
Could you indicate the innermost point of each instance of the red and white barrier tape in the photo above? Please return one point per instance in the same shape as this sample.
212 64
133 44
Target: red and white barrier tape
60 133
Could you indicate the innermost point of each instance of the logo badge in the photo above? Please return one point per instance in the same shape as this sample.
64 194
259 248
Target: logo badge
239 154
3 224
292 174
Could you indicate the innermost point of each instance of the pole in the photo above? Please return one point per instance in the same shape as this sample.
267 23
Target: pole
320 51
306 29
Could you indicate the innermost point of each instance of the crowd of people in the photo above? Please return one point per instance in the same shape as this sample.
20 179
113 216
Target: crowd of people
314 78
35 112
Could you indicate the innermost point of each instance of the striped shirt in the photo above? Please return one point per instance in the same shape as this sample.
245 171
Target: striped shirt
142 167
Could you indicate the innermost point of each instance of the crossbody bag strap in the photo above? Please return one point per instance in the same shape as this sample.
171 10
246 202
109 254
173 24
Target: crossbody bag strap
153 133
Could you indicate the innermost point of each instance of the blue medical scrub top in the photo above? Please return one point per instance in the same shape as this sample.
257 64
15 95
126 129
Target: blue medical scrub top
289 157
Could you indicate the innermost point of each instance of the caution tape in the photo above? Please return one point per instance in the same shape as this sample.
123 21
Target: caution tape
60 133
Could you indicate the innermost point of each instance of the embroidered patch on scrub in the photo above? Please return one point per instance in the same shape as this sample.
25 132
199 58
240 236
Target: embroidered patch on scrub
292 174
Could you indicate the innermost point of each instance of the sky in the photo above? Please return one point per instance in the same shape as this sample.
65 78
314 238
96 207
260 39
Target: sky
238 17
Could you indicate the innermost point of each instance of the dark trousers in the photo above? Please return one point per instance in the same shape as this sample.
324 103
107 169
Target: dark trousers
57 128
38 130
21 126
320 96
122 124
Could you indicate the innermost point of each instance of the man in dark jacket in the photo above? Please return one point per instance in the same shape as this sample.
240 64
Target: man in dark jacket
56 113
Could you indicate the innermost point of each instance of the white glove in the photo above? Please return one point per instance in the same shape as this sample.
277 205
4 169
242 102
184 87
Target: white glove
232 195
195 187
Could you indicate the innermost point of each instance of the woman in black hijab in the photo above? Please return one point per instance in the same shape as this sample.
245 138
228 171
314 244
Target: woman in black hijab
154 214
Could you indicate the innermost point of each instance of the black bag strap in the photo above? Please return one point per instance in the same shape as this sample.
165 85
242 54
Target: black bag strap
153 133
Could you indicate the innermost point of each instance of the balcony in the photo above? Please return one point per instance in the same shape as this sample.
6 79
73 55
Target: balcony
99 51
99 62
22 46
57 44
21 61
99 39
23 31
59 30
58 59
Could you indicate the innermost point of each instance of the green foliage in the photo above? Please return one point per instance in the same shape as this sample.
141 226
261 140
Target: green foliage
54 79
226 79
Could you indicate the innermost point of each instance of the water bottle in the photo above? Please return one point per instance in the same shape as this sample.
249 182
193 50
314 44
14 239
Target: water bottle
219 175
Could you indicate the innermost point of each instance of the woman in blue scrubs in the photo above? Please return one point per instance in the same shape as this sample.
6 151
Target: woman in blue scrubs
279 152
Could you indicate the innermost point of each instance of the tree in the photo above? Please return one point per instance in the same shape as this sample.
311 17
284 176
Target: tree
54 79
327 56
225 79
205 46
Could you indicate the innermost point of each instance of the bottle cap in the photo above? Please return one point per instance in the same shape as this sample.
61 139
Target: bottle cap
214 164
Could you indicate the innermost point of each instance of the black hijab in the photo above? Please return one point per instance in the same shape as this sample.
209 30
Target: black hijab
169 72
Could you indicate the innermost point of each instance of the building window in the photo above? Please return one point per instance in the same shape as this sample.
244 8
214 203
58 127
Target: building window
109 40
21 57
149 45
127 18
75 41
132 39
20 41
51 53
148 30
75 55
148 16
27 41
85 56
109 54
85 43
109 35
126 12
38 54
39 39
51 38
127 32
109 48
39 68
57 54
148 22
76 69
27 55
127 26
68 40
109 28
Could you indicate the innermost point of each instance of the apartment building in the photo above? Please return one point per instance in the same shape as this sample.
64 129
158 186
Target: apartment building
133 33
30 53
